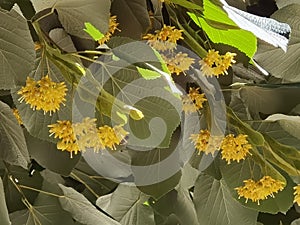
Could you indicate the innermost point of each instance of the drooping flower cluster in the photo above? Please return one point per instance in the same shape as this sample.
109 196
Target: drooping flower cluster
206 143
215 64
63 130
84 135
165 41
259 190
297 194
17 115
193 101
178 63
44 94
112 27
235 148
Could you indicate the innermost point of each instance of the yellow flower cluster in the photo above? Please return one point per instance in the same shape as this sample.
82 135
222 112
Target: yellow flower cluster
112 27
83 135
259 190
17 115
235 148
164 39
206 143
193 101
86 134
215 64
43 94
63 130
178 63
297 194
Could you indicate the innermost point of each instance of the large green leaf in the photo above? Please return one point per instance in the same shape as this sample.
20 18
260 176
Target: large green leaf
285 157
125 204
264 100
235 173
81 209
186 4
215 205
162 166
48 156
175 205
3 208
220 29
46 210
12 141
133 17
21 177
275 130
291 124
279 64
73 14
16 49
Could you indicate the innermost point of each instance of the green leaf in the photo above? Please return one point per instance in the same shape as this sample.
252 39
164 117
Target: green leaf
182 207
93 31
187 4
162 166
243 40
16 49
148 74
46 210
62 39
244 128
96 183
275 131
288 123
283 156
3 208
73 14
132 16
279 64
22 177
48 156
235 173
81 209
215 205
12 141
126 206
269 99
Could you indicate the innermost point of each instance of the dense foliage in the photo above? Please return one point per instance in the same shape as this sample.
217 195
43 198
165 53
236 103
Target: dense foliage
149 112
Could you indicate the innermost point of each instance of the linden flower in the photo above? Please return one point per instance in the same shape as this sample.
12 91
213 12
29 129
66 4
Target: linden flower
17 115
297 194
43 94
198 98
86 134
110 137
178 63
164 39
215 64
188 105
193 101
259 190
235 148
64 131
113 26
206 143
